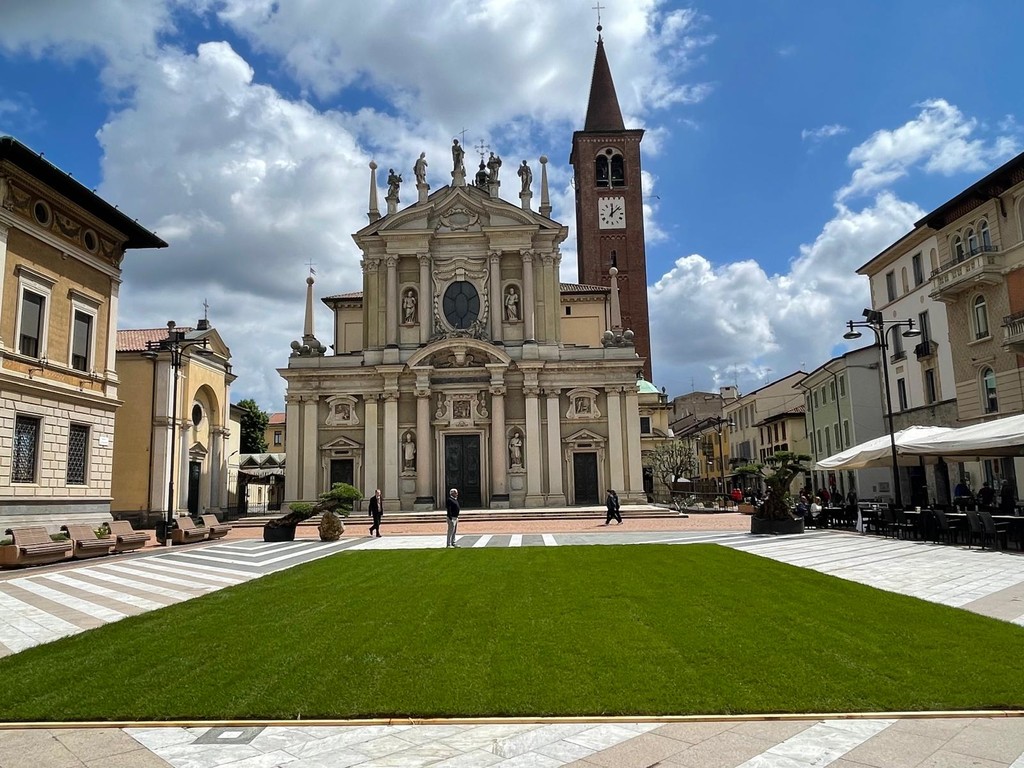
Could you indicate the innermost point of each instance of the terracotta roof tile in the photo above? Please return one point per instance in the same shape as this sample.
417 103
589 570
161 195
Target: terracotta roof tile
275 418
134 340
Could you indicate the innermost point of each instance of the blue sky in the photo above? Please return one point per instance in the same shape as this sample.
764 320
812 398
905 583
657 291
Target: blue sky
787 144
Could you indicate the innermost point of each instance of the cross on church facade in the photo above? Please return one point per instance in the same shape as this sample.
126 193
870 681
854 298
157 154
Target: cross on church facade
310 264
599 8
206 310
482 149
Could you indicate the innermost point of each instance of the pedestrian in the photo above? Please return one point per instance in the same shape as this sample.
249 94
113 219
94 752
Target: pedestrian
1007 498
376 510
611 502
986 496
452 505
823 496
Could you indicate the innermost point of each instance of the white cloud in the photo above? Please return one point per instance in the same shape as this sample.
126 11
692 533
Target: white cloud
824 132
939 140
738 322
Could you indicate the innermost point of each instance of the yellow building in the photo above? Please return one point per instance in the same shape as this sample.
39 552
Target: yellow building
145 428
61 248
274 434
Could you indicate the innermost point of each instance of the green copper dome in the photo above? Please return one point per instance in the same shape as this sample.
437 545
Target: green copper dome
645 387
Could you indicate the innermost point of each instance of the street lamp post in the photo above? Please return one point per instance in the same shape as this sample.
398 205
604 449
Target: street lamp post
873 319
175 345
718 422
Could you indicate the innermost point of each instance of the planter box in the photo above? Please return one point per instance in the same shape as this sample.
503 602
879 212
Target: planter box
279 533
746 509
761 526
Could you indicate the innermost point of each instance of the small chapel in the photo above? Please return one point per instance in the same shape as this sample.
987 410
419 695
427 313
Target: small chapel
464 362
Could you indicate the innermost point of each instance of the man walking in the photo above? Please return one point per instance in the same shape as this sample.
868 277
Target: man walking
611 502
452 505
376 510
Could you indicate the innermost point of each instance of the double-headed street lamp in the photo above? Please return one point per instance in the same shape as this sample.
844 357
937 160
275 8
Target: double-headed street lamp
873 319
718 422
175 345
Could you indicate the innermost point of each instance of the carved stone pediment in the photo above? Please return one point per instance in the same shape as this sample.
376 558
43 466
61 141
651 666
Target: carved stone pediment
583 404
341 411
458 218
461 409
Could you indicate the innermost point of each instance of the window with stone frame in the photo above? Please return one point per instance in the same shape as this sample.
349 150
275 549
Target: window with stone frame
989 399
78 454
33 317
25 456
81 341
980 318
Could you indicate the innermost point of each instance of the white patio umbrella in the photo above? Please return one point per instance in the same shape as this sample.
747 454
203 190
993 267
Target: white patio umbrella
1001 437
878 451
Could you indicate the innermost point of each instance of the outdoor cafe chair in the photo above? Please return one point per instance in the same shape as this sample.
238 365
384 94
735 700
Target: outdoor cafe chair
975 529
947 530
997 532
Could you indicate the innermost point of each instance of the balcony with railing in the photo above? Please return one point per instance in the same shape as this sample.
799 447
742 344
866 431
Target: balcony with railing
926 349
1013 333
982 266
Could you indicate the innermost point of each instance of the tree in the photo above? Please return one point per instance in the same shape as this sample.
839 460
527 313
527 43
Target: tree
254 426
670 460
779 471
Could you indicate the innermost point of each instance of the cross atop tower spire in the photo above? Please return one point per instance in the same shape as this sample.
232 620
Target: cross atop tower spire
599 8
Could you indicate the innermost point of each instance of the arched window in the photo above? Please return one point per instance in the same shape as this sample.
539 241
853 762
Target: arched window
601 170
985 235
903 278
980 318
972 242
989 401
618 171
958 248
933 257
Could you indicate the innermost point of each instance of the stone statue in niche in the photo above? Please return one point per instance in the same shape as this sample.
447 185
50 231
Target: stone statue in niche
461 409
512 304
515 450
409 307
409 452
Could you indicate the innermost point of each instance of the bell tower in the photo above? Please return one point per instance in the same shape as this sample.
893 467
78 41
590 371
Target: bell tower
609 203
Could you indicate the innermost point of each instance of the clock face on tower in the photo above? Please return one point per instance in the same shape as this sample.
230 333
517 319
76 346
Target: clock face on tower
611 212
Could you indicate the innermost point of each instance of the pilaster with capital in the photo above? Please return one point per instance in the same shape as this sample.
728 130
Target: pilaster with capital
534 441
109 373
391 446
372 305
424 454
556 494
310 459
371 478
425 299
529 328
392 309
499 448
293 448
494 290
616 457
3 271
635 478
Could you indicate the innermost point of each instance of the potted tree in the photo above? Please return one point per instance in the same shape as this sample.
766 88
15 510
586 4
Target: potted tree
337 501
775 514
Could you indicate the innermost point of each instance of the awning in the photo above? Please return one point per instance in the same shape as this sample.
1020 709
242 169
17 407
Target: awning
1001 437
270 472
878 452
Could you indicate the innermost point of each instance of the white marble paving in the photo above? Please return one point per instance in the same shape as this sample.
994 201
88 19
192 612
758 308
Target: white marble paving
482 541
41 589
820 745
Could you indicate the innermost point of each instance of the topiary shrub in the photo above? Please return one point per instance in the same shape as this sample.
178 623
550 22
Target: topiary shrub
339 500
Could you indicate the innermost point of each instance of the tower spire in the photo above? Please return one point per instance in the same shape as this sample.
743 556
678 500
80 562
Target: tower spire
603 113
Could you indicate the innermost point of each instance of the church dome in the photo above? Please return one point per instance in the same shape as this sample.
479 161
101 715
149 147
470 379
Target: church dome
645 387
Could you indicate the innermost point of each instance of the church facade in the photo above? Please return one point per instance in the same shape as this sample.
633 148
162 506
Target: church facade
464 362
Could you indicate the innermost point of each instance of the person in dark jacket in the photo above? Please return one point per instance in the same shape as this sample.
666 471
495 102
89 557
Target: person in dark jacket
453 509
1007 498
376 510
611 502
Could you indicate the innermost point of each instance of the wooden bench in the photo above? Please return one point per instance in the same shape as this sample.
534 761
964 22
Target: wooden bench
186 531
85 543
125 537
32 546
214 527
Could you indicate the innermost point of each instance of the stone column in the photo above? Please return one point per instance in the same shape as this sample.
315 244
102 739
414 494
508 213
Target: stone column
424 298
310 450
293 449
216 474
392 307
495 298
556 496
528 301
616 458
391 448
424 465
534 441
371 475
635 479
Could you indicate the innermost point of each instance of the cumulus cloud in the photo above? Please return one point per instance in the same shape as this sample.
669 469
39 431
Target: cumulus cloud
939 140
744 322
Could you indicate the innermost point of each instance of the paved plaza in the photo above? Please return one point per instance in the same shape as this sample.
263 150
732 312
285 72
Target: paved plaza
43 604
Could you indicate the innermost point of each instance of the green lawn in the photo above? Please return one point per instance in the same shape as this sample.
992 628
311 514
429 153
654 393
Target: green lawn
602 630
